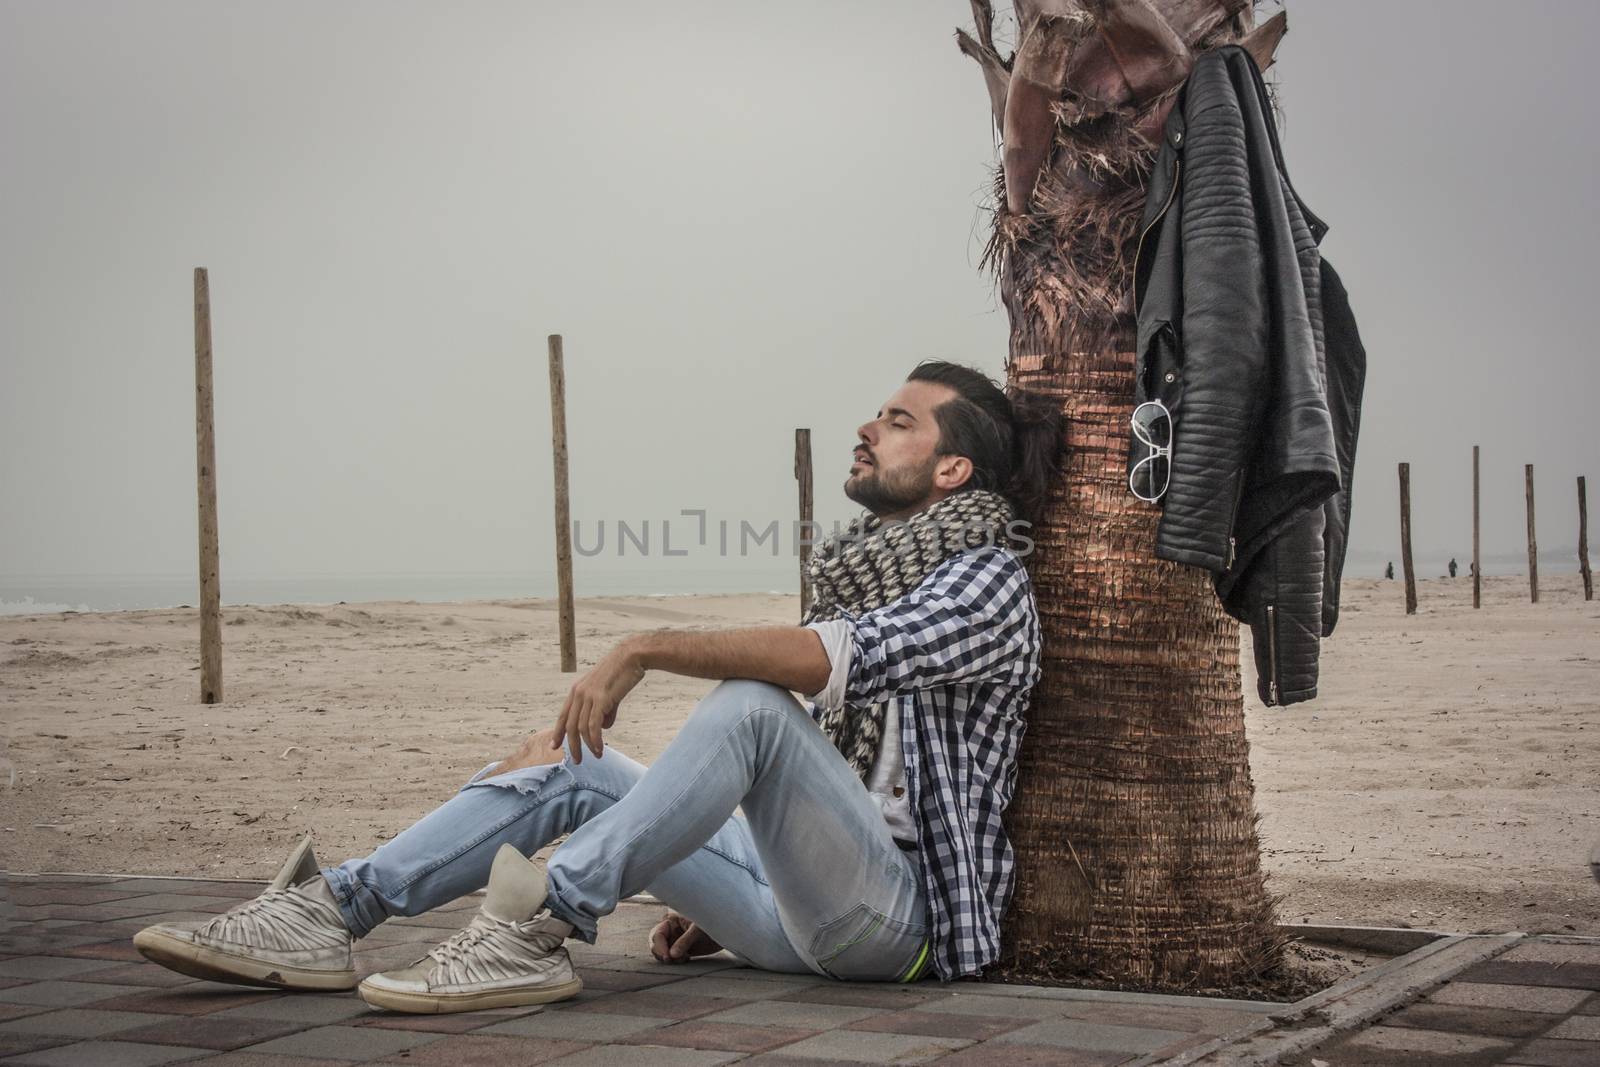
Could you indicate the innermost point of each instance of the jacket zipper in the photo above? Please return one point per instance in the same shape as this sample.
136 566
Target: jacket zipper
1233 518
1177 173
1272 655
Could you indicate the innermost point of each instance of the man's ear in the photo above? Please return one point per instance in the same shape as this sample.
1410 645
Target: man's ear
952 472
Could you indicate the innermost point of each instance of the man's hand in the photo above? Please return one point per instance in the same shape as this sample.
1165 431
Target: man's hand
677 940
591 705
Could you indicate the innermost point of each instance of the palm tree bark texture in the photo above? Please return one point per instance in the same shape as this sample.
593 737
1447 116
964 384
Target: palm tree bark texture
1134 821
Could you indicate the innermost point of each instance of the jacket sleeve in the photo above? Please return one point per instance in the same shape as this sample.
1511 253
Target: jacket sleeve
1224 330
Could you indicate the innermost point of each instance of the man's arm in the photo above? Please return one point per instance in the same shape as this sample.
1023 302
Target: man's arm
790 656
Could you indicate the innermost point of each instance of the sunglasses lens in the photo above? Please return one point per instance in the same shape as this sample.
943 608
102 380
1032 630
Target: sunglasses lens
1153 425
1149 478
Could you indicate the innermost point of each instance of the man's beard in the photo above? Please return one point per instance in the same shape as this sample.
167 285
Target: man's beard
885 491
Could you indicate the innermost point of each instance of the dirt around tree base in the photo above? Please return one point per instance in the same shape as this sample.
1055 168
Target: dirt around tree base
1306 969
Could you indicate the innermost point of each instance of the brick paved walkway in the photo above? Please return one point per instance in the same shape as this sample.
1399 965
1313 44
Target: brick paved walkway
73 991
1537 1003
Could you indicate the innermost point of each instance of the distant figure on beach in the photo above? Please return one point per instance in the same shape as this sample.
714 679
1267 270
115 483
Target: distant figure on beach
858 854
1388 572
1452 566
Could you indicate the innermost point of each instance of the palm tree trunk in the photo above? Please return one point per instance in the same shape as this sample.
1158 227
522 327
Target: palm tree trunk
1134 819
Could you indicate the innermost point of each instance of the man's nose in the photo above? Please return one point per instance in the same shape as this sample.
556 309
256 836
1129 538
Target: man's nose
863 432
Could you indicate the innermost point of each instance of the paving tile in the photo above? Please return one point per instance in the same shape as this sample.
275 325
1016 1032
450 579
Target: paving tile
736 988
153 886
1534 973
645 964
246 1058
575 1026
17 1011
1578 1028
858 1046
1510 997
935 1024
69 894
620 981
17 1044
1194 1020
44 941
141 973
118 950
223 1035
724 1037
1115 996
865 995
1397 1039
458 1022
649 1004
39 968
1540 951
358 1043
108 1054
1491 1022
185 916
792 1013
80 1022
63 994
475 1050
1095 1037
195 998
1005 1007
646 1056
996 1054
114 909
97 933
1546 1053
1589 1007
312 1008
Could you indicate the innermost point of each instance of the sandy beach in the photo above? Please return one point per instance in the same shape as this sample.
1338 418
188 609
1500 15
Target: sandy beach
1448 776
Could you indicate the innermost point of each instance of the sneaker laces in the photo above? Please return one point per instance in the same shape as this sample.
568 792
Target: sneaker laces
488 950
282 919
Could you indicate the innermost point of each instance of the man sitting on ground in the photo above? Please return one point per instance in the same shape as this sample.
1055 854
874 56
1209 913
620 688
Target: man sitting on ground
870 845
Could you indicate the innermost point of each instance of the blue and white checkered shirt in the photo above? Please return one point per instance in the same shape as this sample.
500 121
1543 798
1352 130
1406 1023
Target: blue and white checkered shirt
959 655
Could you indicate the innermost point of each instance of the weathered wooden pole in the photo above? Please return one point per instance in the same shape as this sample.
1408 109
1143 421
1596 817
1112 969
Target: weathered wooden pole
1477 558
1405 538
558 436
206 468
802 474
1533 541
1583 540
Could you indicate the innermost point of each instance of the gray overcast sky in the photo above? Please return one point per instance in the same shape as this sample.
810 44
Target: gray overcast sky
744 218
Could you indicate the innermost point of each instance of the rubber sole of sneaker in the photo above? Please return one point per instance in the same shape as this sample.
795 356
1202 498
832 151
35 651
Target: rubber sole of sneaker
443 1003
201 961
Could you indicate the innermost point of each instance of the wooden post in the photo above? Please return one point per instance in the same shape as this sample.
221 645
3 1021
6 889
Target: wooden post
1477 557
802 474
206 468
1583 540
1405 538
558 434
1533 541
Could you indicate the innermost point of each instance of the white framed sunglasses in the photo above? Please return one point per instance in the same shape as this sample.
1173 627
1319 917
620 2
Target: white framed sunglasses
1152 460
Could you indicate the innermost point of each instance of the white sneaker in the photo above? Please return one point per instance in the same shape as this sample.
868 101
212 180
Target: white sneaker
509 955
290 937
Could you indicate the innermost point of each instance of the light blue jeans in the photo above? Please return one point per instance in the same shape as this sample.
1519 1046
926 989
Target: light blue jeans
808 879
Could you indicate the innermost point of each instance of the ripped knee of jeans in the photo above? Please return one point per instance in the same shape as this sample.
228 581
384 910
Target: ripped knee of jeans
528 780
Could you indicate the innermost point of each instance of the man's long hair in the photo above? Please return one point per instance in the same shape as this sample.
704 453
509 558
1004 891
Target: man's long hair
1014 439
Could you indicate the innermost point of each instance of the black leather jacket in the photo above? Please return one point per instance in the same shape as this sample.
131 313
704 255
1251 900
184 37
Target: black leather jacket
1245 333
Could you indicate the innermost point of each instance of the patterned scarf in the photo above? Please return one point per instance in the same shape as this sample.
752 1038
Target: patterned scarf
870 564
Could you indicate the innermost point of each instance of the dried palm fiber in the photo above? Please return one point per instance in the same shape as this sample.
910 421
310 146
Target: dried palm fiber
1134 822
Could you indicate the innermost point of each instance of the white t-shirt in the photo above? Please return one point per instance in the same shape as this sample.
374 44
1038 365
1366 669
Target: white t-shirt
886 780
